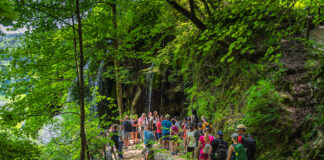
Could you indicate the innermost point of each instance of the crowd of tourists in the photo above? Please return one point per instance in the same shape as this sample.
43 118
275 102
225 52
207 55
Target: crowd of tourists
192 134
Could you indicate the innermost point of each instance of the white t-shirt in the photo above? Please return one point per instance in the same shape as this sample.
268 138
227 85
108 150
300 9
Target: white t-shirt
192 140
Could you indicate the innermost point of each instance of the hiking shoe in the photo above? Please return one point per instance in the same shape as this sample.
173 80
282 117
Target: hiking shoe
172 154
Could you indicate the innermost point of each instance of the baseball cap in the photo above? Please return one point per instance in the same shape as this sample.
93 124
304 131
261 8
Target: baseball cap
234 135
220 133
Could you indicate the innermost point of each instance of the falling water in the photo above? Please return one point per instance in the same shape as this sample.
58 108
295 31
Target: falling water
95 85
53 129
149 79
162 84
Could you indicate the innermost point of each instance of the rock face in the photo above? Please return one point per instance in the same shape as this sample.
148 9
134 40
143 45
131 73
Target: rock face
149 92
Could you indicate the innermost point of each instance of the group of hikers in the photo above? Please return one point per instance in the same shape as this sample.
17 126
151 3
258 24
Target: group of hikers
193 135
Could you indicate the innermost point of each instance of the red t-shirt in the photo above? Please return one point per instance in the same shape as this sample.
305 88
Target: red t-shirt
158 126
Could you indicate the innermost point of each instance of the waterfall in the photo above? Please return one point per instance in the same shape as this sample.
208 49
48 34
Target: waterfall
53 129
162 85
96 85
149 80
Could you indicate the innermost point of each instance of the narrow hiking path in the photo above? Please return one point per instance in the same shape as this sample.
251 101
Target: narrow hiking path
134 152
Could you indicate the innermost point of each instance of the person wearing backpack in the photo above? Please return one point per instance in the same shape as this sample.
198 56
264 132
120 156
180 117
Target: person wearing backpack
205 123
134 129
204 144
198 133
166 125
128 129
142 122
247 140
149 138
194 117
117 140
218 147
236 150
191 141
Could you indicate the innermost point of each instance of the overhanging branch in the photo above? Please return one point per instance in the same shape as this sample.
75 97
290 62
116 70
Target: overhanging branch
188 14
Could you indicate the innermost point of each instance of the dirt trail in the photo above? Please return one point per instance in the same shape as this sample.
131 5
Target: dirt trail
132 152
135 153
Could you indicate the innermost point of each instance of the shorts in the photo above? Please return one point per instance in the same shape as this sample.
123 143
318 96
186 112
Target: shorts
126 134
122 134
203 156
159 136
174 138
166 136
190 149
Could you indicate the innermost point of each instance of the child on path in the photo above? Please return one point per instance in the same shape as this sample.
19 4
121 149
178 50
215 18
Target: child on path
174 138
148 142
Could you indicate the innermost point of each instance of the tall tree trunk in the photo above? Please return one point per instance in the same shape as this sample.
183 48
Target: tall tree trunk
81 85
119 88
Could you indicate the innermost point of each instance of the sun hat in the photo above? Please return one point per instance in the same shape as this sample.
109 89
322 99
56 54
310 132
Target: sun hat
167 116
234 135
241 126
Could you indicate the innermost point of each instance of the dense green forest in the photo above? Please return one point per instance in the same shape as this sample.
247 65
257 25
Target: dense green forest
83 64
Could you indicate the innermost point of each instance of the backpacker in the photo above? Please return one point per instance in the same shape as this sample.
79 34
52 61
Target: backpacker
128 126
220 153
207 125
240 152
249 144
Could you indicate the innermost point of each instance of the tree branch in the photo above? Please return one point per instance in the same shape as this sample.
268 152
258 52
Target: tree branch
188 14
192 7
57 18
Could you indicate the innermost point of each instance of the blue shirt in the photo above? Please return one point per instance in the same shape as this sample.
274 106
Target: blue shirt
148 137
166 127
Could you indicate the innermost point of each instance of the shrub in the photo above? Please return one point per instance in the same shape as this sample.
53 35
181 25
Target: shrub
265 116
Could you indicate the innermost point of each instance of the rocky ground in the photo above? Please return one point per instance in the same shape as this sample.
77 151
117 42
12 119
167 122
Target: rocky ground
134 152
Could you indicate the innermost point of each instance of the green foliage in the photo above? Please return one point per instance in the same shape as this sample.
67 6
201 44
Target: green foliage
265 115
215 67
17 146
7 13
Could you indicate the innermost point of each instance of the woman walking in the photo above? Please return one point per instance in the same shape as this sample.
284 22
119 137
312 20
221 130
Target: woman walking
204 144
174 138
